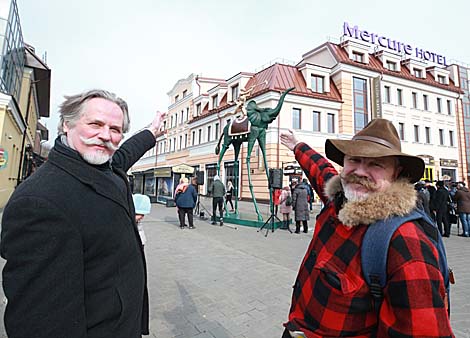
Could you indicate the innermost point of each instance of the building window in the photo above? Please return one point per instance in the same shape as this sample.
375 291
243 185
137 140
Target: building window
449 107
399 97
164 125
177 97
451 138
391 65
185 93
171 143
182 116
416 127
198 109
181 142
441 137
331 123
316 120
428 134
361 116
296 118
215 101
217 131
185 141
358 57
415 99
209 133
417 72
172 121
317 83
199 136
425 102
187 114
193 137
174 143
387 94
439 105
441 79
235 92
401 130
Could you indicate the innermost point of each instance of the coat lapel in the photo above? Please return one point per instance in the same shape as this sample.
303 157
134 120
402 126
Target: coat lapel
94 178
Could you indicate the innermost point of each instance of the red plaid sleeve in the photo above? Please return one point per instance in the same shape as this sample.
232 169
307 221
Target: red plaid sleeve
317 168
414 296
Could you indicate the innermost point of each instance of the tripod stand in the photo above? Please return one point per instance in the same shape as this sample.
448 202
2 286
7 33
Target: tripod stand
199 206
271 219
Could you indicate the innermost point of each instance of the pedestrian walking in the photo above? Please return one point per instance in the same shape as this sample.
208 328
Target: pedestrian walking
462 198
75 266
276 200
142 207
331 296
440 205
185 199
300 207
218 192
229 195
423 197
285 207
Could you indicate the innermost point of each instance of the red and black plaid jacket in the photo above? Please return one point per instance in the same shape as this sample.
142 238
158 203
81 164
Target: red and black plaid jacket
330 296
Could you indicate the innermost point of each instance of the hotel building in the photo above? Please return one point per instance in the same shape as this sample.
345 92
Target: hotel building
339 88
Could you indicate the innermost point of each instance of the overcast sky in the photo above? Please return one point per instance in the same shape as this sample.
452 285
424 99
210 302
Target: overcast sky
139 49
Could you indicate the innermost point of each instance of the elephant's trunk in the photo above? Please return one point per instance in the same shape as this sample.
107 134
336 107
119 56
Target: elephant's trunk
277 109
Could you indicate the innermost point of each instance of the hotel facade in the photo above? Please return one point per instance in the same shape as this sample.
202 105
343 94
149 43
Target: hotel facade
339 88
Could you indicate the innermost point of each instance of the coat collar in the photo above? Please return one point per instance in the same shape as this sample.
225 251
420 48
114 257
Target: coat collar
398 200
70 161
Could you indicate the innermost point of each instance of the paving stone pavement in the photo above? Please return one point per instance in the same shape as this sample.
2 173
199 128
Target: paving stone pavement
227 282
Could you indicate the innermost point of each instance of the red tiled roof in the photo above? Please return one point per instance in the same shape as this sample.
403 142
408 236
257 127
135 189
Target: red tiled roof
375 64
277 77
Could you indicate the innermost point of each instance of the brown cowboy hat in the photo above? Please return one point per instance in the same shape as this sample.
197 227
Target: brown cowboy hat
379 138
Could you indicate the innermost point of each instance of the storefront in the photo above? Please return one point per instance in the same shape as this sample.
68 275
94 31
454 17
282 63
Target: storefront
429 167
164 184
449 168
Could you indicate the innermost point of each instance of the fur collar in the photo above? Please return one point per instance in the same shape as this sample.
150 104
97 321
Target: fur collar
399 199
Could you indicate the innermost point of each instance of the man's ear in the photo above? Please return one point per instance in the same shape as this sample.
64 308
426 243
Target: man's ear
65 127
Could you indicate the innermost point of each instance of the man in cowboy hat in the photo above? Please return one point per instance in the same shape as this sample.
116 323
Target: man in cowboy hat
331 297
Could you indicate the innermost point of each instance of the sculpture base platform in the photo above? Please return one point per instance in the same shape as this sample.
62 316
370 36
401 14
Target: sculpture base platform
249 220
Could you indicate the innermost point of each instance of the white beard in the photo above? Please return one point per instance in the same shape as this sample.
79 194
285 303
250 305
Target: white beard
96 157
353 195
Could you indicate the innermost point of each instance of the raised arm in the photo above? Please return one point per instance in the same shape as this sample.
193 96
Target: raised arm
317 168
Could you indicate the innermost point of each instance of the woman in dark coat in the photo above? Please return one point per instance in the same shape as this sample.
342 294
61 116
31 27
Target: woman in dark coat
301 207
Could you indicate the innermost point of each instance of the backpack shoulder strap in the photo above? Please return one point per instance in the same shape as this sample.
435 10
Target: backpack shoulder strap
374 252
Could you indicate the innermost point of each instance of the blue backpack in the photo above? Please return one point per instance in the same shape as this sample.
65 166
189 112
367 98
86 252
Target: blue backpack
374 252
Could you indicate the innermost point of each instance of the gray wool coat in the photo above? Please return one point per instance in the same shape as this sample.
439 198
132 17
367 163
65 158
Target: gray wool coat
300 203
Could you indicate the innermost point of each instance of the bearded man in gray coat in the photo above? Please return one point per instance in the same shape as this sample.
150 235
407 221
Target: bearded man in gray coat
74 261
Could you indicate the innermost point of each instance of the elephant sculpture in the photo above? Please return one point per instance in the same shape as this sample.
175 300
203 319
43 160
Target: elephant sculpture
249 128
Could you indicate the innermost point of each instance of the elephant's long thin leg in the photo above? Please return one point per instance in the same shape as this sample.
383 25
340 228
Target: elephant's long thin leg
236 147
262 145
251 143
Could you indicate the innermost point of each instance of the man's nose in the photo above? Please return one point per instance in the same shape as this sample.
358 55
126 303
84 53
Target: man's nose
361 170
105 134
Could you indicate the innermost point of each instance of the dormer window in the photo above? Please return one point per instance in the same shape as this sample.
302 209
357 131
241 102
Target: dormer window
358 57
441 79
177 97
235 92
215 101
391 66
418 72
198 109
317 83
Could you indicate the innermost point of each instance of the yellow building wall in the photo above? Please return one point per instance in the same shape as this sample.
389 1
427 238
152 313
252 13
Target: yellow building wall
10 141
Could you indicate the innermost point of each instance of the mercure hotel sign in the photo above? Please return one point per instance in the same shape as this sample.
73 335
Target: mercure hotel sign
397 46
